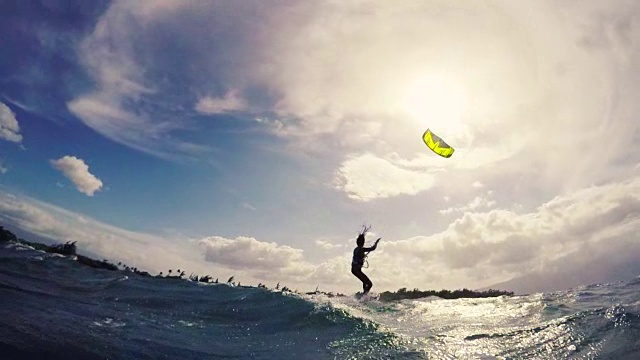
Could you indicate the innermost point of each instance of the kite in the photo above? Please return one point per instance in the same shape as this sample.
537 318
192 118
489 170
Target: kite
436 144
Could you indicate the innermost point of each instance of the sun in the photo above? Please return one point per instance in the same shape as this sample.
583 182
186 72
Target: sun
436 102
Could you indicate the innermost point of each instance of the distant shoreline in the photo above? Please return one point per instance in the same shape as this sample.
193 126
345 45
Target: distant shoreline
69 249
402 294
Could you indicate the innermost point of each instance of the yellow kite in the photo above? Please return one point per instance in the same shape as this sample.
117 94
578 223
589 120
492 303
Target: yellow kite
436 144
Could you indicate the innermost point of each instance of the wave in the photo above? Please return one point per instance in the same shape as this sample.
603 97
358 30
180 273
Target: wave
79 312
56 309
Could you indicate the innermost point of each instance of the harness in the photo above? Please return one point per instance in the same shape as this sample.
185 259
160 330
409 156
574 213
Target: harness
365 262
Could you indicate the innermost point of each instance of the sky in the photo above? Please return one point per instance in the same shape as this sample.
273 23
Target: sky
255 138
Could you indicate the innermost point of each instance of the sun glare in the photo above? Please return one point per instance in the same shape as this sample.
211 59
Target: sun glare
436 102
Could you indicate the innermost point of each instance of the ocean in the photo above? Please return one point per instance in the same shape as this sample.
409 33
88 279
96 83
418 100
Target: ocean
52 307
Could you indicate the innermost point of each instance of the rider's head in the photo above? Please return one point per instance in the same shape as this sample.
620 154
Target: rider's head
360 240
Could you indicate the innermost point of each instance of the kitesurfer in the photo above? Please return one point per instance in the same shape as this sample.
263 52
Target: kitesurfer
359 255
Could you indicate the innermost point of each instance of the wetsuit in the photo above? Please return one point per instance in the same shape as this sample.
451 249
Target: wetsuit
357 262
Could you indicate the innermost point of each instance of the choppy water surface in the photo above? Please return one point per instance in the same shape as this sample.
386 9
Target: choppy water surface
51 307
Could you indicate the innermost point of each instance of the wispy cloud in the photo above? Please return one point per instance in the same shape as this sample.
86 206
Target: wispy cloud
146 251
9 128
479 203
229 103
352 101
249 206
126 105
77 171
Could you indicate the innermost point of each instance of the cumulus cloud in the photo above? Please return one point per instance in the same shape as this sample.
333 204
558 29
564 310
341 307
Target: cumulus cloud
474 205
77 171
229 103
367 177
9 128
537 248
264 259
553 247
550 248
327 245
250 260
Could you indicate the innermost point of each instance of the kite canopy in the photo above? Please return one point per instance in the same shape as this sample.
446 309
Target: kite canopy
436 144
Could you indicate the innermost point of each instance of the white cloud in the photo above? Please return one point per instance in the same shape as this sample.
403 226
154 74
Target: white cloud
249 260
367 177
123 107
229 103
510 118
152 252
9 128
476 204
78 172
3 169
267 260
107 116
327 245
553 247
322 89
482 249
54 224
249 206
532 112
518 110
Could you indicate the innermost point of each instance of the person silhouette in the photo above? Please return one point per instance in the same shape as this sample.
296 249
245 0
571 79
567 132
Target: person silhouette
359 256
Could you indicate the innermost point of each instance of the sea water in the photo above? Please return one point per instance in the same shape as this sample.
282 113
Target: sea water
52 307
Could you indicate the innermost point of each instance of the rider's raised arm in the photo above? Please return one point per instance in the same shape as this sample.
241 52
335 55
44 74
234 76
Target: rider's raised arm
373 247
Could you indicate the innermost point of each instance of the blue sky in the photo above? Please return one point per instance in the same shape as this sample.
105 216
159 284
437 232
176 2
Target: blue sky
255 138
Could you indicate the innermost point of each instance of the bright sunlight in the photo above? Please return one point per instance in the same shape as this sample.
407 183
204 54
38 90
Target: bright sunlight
436 102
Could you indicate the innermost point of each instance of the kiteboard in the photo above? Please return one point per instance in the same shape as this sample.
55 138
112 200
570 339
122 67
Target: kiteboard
366 297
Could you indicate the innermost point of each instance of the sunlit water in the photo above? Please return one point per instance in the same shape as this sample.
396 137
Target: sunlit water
51 307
